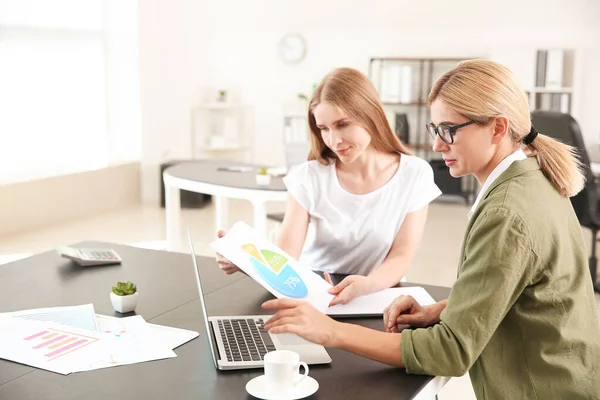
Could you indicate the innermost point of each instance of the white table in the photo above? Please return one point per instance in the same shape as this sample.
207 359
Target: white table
206 177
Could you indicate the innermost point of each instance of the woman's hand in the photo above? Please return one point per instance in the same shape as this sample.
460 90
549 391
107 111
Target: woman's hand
350 288
226 266
405 310
302 319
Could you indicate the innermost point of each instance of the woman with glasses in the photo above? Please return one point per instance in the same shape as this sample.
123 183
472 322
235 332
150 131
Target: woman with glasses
521 317
366 196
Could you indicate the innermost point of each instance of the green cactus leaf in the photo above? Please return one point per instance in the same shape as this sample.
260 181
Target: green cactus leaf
124 288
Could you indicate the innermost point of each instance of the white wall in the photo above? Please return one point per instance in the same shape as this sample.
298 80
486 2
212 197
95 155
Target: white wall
123 84
26 206
187 44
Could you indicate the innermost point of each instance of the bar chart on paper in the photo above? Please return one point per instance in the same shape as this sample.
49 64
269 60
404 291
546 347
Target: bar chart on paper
54 343
43 339
49 345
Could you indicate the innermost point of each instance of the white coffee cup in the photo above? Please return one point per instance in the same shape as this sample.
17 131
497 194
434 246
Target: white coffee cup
282 370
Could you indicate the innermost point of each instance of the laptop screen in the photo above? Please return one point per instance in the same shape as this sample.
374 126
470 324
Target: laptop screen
202 303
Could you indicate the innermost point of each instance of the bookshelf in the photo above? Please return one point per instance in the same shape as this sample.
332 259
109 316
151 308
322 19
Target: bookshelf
553 90
221 128
403 85
296 132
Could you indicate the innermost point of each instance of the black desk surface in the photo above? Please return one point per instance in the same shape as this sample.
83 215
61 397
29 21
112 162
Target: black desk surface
168 296
208 172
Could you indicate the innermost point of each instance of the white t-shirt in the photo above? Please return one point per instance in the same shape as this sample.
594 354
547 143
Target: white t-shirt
354 233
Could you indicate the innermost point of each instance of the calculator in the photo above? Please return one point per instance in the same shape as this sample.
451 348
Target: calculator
87 257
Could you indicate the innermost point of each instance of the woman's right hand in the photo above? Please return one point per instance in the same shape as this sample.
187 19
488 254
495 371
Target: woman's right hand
405 310
226 266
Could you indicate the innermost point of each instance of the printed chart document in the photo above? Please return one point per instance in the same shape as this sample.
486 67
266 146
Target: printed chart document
64 340
165 335
82 316
49 345
128 340
270 266
374 303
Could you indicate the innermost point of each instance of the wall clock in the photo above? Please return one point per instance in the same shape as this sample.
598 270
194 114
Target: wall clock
292 48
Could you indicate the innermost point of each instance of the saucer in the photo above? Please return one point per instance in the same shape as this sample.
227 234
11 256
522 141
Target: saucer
257 387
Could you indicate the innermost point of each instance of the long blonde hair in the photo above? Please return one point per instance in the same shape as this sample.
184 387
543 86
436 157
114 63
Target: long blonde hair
353 93
481 90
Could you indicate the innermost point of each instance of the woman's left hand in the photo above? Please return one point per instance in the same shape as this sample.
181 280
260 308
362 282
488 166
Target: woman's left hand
351 287
302 319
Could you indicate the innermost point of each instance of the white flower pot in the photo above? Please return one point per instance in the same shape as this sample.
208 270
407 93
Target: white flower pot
263 180
124 304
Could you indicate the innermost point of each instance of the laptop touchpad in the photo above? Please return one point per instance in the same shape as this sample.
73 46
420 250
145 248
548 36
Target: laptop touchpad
289 339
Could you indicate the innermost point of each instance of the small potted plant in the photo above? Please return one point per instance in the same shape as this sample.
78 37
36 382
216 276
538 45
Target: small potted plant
262 177
222 96
124 297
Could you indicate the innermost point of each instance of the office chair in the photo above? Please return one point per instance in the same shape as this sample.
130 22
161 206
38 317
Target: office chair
587 202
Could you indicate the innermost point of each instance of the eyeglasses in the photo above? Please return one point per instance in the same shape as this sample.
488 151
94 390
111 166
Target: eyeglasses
446 133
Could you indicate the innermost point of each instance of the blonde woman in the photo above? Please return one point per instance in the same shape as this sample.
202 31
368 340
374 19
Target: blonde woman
365 194
521 317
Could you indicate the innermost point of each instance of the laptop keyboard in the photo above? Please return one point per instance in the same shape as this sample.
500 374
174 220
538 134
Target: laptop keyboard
245 339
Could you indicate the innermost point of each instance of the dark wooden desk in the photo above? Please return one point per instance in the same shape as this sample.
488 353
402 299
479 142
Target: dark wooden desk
168 296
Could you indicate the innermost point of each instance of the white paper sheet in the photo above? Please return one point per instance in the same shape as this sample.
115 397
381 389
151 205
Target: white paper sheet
375 303
270 266
173 337
49 345
129 340
165 335
64 349
81 316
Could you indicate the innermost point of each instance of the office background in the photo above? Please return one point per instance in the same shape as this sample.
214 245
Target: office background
98 94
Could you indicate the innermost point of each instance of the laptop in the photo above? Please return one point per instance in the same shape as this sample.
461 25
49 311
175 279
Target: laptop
241 342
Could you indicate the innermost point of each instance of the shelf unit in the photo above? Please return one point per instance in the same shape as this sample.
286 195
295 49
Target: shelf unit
403 85
554 74
296 132
221 130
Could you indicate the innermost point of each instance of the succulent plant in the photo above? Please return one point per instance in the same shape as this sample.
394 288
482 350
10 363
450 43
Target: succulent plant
124 289
262 171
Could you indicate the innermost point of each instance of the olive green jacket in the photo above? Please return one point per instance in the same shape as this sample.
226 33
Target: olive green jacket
521 317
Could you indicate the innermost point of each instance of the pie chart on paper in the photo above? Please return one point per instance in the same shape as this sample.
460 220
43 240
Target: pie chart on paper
274 269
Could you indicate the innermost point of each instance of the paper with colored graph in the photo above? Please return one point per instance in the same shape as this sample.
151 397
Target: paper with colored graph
127 340
126 327
58 347
270 266
81 316
48 345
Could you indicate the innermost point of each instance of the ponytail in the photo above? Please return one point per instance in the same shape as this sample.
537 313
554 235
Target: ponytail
559 164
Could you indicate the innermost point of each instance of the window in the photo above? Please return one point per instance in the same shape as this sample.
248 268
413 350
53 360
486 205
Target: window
55 98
